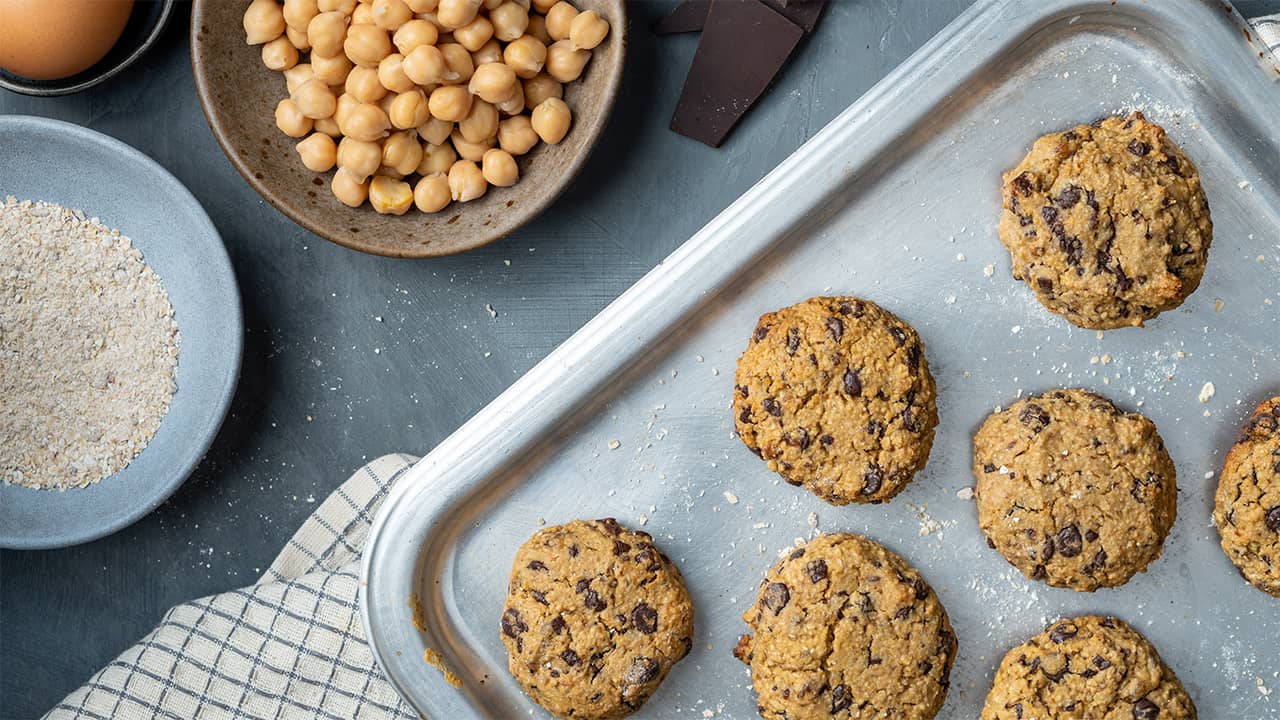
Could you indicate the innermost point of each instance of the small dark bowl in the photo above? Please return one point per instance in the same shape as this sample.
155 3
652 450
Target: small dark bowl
239 96
146 22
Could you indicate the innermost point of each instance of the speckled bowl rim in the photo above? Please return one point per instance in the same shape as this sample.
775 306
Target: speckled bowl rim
298 214
166 11
198 444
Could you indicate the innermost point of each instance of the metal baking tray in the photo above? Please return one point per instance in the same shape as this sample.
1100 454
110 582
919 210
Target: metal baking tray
896 200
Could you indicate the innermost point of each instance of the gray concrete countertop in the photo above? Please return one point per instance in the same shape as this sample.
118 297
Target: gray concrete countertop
349 356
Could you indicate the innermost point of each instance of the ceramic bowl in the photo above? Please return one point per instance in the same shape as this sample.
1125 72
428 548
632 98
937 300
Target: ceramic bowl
146 23
75 167
239 95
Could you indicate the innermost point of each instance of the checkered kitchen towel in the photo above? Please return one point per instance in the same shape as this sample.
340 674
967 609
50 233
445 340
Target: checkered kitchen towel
289 646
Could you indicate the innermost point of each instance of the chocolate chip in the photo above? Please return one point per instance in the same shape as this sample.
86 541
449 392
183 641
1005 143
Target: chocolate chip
835 327
796 554
1070 136
1273 519
1068 541
512 624
793 340
1090 536
593 601
1137 147
1144 709
841 698
798 438
557 625
1172 162
866 605
761 332
1054 677
641 671
541 597
772 407
1023 184
746 392
852 383
898 334
610 527
745 415
872 480
1046 553
1017 711
816 570
776 596
926 667
826 440
1062 633
1050 215
1045 284
921 589
1098 562
573 550
988 468
1034 417
903 613
645 618
537 565
1068 198
570 658
913 357
583 585
620 548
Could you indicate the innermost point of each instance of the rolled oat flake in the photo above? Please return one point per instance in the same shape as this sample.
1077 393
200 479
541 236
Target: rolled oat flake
88 348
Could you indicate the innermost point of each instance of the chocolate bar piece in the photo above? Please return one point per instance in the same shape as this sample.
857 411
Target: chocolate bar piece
743 46
688 16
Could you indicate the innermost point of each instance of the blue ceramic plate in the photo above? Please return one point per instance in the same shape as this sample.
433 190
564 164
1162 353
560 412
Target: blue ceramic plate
69 165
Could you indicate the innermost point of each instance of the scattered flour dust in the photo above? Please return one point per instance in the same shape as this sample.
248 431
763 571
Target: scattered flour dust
88 348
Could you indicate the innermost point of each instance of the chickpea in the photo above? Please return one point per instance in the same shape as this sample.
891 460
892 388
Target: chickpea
391 14
346 7
450 102
332 70
468 150
409 110
391 74
551 120
540 88
290 119
436 159
422 6
315 99
559 19
509 21
466 182
402 152
318 152
385 103
432 193
459 62
263 22
425 65
435 131
525 56
414 33
452 14
499 168
513 105
480 124
296 75
490 52
366 122
363 84
474 34
360 159
564 63
328 126
298 13
490 4
326 33
390 196
588 30
346 104
516 135
538 28
366 44
544 6
297 38
349 191
363 14
493 82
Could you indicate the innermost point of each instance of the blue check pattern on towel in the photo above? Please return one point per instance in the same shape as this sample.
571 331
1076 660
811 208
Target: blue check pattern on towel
289 646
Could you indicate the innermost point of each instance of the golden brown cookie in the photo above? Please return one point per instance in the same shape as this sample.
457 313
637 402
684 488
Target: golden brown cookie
595 617
844 628
1247 511
1073 491
1107 223
835 394
1094 668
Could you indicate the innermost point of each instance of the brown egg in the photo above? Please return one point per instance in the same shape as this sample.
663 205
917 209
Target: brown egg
52 39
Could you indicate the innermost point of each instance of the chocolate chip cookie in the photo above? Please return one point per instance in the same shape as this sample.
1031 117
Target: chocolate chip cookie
595 617
845 628
1086 667
1107 223
835 394
1247 511
1073 491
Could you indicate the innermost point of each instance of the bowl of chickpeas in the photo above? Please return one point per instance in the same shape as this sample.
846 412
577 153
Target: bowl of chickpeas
408 128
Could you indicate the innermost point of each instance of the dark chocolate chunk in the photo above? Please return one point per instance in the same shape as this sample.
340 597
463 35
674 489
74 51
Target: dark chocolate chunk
512 624
1137 147
1144 709
593 601
537 565
872 480
1034 417
570 658
841 698
835 327
1068 541
776 596
688 16
852 383
816 570
1273 519
1062 633
645 618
